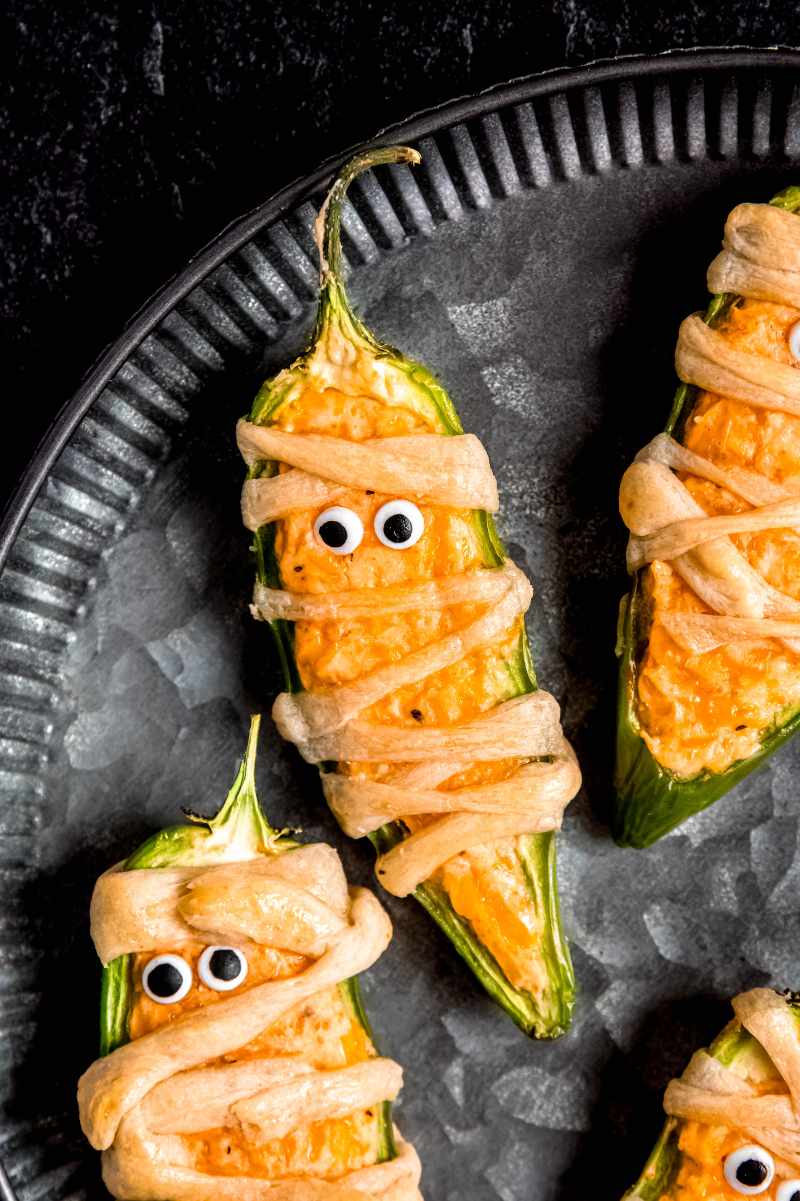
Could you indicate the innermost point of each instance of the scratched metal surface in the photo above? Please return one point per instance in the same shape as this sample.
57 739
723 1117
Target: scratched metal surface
539 262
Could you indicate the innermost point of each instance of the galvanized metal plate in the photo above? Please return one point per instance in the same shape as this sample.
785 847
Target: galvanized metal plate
539 261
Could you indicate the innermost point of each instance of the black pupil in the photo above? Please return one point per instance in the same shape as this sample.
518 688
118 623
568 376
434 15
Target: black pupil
164 980
398 527
333 533
752 1172
224 964
795 1195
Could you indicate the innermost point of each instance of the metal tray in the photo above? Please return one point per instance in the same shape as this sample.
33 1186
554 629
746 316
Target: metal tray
539 261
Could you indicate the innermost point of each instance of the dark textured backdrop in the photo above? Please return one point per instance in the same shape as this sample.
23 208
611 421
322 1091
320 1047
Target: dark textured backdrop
131 133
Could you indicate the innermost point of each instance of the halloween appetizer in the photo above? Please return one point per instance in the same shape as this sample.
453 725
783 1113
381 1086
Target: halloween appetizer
732 1125
408 674
236 1061
710 633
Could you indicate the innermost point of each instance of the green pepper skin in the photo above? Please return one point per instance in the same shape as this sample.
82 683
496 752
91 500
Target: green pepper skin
659 1172
649 800
548 1016
239 830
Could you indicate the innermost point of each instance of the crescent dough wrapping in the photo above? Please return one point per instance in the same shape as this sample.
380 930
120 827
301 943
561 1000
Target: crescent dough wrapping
662 491
453 472
327 726
143 1104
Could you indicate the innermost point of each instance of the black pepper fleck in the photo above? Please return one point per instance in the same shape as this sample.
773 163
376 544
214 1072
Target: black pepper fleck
299 567
416 714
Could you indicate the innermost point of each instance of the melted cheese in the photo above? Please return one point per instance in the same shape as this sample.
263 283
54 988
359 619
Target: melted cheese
708 711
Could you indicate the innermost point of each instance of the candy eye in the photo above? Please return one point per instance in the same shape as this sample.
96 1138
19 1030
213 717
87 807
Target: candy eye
222 968
750 1170
794 340
399 524
167 979
340 530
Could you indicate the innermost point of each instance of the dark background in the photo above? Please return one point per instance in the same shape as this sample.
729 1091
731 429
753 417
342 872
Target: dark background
132 133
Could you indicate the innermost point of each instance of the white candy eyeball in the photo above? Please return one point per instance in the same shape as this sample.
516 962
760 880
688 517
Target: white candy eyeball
794 340
222 968
788 1190
167 979
399 524
339 530
750 1170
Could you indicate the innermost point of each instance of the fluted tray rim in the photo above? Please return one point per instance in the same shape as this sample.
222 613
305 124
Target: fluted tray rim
233 236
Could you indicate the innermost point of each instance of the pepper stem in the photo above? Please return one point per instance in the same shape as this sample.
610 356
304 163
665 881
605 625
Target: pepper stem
328 225
241 822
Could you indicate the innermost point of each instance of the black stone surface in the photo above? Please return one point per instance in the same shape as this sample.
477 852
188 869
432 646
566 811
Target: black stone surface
131 133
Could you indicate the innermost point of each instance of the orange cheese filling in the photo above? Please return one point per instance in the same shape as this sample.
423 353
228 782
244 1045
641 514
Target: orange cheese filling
486 886
322 1031
701 1175
706 711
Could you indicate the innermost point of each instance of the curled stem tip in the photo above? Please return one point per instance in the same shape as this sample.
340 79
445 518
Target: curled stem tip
327 227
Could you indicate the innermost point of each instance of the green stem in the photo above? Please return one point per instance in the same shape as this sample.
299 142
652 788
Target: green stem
328 225
241 817
328 235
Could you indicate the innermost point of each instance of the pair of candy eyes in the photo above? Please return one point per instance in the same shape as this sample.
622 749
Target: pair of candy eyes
167 978
398 524
751 1170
